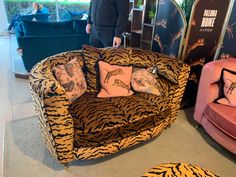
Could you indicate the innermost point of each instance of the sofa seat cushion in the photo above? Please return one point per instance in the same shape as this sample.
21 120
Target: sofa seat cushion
94 116
101 138
223 117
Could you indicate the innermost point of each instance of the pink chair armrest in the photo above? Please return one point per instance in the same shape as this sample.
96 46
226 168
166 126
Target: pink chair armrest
207 90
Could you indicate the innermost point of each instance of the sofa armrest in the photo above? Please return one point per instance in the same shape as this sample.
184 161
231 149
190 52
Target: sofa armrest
36 48
177 91
51 105
208 91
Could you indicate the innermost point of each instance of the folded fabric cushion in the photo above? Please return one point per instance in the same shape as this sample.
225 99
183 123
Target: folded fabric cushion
144 81
114 79
72 79
228 89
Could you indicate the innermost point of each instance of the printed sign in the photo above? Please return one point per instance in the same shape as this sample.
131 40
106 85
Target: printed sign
227 49
170 28
205 27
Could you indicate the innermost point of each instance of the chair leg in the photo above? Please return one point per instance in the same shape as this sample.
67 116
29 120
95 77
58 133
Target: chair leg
65 165
197 125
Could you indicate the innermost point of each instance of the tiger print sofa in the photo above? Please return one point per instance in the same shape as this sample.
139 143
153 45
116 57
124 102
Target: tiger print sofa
92 127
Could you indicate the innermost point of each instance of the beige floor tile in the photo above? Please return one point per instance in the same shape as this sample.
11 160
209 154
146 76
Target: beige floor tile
5 107
24 110
5 90
2 125
6 87
21 91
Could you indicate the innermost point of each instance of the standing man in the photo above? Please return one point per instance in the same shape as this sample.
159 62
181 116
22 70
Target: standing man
107 20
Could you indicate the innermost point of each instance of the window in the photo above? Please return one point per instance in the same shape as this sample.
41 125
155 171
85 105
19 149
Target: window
57 8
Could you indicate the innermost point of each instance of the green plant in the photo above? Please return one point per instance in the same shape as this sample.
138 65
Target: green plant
186 5
139 3
152 12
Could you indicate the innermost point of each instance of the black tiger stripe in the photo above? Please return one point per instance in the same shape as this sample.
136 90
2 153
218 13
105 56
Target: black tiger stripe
92 127
178 169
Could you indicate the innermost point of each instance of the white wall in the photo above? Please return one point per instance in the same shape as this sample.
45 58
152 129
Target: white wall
3 17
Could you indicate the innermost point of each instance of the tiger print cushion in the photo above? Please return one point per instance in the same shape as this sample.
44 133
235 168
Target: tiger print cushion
144 81
47 85
168 68
112 114
71 77
116 56
91 55
177 170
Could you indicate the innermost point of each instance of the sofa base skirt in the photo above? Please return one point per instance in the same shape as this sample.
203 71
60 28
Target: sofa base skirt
86 153
219 136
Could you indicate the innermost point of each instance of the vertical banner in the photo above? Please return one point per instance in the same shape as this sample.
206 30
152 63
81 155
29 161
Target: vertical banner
170 28
227 49
205 27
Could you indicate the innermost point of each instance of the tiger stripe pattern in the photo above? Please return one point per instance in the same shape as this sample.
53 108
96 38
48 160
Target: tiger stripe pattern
114 117
92 127
91 56
167 67
55 124
178 92
178 170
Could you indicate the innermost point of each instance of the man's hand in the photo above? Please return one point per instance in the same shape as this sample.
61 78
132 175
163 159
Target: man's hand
116 42
88 28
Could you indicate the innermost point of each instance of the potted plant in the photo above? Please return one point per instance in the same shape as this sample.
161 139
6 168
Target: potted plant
140 4
186 5
151 14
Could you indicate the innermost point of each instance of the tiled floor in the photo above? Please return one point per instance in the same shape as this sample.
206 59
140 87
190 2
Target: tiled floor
15 99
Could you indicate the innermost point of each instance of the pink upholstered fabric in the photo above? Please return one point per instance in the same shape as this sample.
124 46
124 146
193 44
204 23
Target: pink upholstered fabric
218 120
219 116
144 81
115 80
207 90
72 79
219 136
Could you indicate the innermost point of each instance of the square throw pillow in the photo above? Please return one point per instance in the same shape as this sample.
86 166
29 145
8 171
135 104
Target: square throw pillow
228 79
113 55
91 56
144 81
72 79
115 80
167 67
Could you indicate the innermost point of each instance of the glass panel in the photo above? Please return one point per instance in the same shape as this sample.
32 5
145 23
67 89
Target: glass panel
72 9
22 7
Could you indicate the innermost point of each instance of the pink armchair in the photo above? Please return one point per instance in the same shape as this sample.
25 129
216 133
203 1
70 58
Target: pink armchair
218 120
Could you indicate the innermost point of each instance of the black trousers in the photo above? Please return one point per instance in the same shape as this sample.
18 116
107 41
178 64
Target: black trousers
101 38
